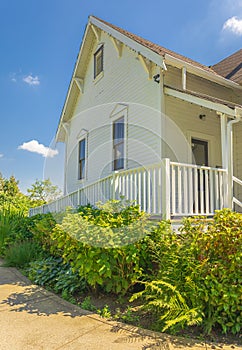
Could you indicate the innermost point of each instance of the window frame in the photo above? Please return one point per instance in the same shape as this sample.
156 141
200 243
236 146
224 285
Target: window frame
98 53
82 176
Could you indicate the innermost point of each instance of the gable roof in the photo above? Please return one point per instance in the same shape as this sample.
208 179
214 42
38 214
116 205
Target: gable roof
160 50
230 67
157 54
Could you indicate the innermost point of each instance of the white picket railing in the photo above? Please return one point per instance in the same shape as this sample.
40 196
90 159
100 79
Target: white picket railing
166 189
236 200
197 190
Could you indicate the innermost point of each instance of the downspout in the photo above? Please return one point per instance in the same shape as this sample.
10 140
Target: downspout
230 157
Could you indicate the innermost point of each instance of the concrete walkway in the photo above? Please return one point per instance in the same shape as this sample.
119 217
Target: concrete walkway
33 318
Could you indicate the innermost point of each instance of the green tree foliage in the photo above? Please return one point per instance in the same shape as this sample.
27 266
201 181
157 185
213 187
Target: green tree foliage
43 191
11 198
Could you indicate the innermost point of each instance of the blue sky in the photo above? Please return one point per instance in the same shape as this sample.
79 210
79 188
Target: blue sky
39 42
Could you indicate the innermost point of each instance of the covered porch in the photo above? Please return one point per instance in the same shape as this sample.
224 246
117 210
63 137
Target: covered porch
171 189
167 190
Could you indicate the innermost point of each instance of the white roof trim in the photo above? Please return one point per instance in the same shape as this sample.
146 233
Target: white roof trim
144 51
218 107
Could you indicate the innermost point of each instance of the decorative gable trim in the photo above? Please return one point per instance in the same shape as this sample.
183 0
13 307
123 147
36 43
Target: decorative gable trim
120 107
144 51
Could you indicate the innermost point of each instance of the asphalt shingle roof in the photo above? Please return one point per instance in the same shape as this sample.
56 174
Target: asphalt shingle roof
157 48
231 67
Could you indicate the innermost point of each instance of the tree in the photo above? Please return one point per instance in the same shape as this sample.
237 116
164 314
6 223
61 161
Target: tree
43 191
11 197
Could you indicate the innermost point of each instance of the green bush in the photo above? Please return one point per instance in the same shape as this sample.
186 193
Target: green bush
22 253
203 263
54 274
106 245
41 228
13 227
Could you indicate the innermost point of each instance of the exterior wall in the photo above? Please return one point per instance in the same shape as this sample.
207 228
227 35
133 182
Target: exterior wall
173 78
186 117
124 88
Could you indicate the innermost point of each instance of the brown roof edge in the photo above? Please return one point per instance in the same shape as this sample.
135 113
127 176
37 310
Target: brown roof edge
162 51
229 104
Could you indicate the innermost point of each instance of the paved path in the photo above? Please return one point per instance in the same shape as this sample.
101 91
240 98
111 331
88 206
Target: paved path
33 318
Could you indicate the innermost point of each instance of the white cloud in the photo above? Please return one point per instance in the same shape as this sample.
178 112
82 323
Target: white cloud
31 80
36 147
1 155
233 24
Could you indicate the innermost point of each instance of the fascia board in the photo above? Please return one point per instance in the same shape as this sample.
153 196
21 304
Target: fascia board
147 53
72 79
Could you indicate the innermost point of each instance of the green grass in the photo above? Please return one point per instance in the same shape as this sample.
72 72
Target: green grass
21 254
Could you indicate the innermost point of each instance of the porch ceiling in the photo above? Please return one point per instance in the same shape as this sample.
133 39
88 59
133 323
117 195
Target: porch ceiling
210 102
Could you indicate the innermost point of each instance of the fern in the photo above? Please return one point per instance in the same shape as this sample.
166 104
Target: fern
168 302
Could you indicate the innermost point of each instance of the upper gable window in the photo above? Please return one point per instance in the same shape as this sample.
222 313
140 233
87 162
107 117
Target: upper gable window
98 62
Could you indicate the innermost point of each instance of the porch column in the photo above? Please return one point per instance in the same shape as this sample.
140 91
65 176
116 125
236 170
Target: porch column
165 189
225 156
238 114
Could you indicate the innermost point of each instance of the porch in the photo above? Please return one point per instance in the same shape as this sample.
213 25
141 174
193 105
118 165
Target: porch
167 190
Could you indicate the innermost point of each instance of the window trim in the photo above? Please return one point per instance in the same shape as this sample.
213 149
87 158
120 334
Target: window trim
81 159
95 56
118 111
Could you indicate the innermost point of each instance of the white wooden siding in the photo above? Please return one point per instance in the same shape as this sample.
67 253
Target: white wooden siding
186 117
124 80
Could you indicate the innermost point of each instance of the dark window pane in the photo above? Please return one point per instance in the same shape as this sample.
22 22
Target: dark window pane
118 144
98 62
82 149
82 158
118 131
82 169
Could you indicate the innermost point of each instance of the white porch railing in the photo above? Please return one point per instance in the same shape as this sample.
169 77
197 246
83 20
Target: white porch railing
236 200
166 189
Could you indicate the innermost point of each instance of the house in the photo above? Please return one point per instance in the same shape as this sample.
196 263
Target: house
146 123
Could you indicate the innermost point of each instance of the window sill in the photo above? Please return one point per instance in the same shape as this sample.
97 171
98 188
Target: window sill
98 77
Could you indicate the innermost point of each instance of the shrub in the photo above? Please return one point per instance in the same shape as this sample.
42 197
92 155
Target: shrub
41 228
54 274
165 301
106 245
22 253
13 228
203 264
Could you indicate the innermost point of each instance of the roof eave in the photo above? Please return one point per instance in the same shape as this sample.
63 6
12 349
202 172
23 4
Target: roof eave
57 137
139 48
200 72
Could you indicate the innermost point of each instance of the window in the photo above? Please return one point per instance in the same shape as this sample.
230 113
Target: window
98 62
82 159
200 151
118 144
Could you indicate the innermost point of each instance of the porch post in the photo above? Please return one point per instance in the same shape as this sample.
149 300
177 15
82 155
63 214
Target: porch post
230 155
165 189
225 157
